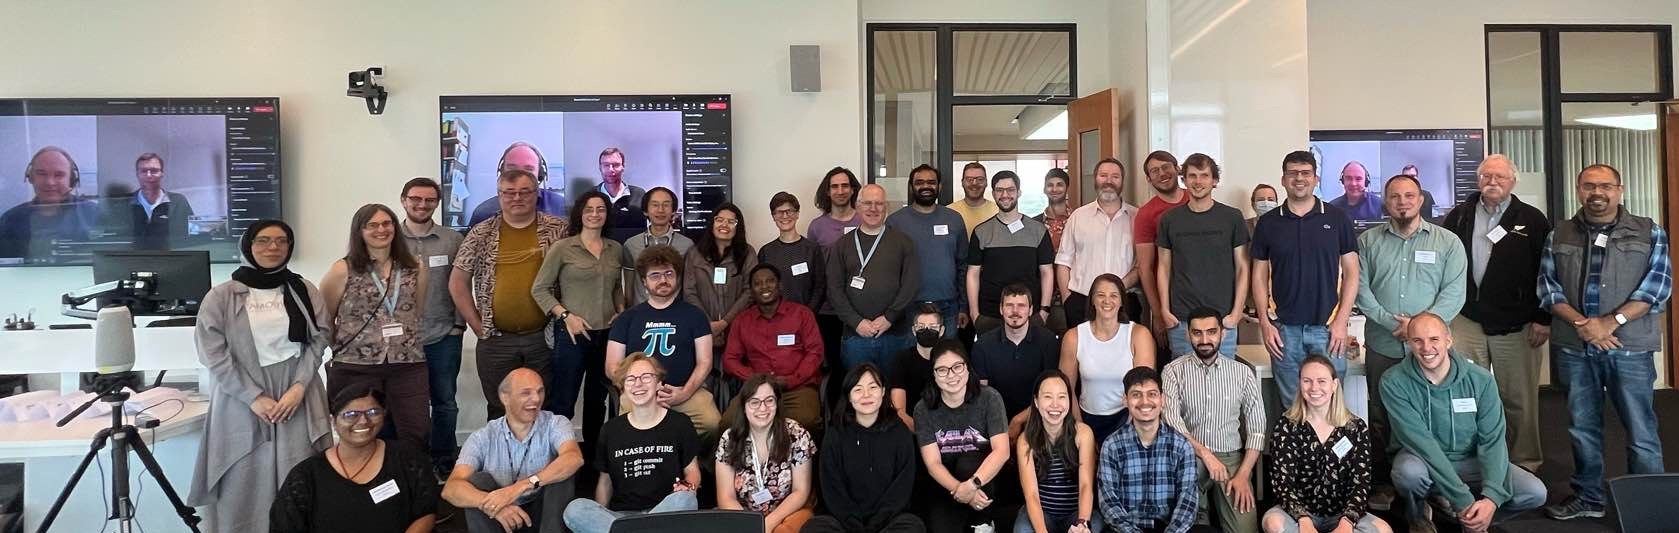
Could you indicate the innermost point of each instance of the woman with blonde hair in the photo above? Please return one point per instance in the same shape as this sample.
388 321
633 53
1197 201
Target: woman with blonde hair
1320 460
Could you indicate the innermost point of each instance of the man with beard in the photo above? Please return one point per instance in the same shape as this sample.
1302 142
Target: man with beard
1055 214
973 206
778 338
1406 267
1010 358
1605 276
1161 168
674 333
1203 258
1097 241
1357 200
441 328
872 280
1502 325
1448 430
941 245
1214 400
1008 248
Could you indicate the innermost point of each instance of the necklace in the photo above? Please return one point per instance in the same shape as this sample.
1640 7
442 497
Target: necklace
352 477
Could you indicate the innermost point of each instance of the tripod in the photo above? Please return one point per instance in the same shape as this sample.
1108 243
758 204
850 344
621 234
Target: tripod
124 437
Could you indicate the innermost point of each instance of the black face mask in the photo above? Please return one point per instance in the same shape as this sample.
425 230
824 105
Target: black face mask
926 338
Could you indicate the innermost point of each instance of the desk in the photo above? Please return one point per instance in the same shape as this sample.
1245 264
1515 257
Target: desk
69 352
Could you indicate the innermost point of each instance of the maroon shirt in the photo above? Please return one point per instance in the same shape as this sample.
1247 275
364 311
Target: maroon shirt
786 345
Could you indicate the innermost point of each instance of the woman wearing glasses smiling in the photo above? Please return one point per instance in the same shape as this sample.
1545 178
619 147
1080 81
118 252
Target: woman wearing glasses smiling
715 268
649 458
361 484
963 431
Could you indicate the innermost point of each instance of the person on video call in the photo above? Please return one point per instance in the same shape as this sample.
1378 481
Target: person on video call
1356 201
1427 197
159 216
626 198
524 156
55 212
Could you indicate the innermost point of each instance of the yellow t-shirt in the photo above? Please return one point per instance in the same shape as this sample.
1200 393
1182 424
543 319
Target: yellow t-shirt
972 216
517 261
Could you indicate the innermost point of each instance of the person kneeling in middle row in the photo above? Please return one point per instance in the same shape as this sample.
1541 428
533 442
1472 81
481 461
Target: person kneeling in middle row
649 457
515 473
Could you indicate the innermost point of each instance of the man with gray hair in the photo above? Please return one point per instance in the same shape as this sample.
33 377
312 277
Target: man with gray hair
515 473
1502 325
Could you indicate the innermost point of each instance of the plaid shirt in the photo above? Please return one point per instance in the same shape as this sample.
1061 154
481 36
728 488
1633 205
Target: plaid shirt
1148 487
1653 289
477 259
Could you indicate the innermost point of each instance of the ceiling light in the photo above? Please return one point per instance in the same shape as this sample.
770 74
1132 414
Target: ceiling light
1055 129
1644 122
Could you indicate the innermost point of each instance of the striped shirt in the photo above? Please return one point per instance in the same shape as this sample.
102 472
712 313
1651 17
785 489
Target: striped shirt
1058 488
1218 403
493 449
1148 487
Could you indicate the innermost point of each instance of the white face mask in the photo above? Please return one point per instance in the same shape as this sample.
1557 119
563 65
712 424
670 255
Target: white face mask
1263 206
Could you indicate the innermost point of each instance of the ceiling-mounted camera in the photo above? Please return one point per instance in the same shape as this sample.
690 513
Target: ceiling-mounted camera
369 85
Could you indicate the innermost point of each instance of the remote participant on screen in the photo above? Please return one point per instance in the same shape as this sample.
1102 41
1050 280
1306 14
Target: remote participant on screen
55 213
626 198
158 217
1427 197
1356 201
524 156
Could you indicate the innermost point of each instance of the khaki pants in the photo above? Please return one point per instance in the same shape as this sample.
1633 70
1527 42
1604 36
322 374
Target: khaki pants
1223 507
701 409
1515 366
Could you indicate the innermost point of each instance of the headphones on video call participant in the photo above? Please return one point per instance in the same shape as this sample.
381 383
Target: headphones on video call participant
75 172
541 162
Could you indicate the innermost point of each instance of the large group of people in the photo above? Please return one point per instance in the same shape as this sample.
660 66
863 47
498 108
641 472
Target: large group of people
954 398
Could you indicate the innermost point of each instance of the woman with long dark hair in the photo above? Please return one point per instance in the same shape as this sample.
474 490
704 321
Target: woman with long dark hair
330 491
1096 355
868 462
260 337
963 430
714 271
763 460
1056 455
582 287
374 302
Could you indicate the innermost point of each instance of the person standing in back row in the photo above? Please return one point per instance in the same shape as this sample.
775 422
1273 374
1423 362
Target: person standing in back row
659 207
872 280
941 245
1161 169
1203 258
1097 241
973 205
1006 249
441 328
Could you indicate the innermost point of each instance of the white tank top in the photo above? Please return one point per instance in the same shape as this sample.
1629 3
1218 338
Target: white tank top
1102 369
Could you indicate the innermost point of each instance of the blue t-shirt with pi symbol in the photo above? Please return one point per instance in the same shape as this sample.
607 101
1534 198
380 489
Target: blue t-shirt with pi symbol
665 334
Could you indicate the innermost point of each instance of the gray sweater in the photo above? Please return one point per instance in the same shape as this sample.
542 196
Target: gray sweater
890 282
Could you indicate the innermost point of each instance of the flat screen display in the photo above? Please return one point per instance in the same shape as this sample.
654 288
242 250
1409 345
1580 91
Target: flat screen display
1355 164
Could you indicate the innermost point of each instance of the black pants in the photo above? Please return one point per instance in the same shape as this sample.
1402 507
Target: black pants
904 523
832 329
547 510
500 355
407 389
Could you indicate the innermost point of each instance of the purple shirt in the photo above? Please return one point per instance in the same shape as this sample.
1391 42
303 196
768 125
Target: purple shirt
825 229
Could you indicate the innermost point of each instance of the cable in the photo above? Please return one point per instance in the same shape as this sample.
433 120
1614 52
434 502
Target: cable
102 501
178 412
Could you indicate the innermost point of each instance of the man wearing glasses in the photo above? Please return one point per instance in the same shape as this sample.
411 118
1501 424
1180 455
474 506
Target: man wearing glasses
658 208
872 279
498 261
441 328
159 216
673 332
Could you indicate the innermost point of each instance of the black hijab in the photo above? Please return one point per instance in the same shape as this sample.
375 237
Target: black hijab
258 278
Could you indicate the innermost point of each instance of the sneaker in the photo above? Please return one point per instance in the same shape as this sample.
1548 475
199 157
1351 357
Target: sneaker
1426 525
984 528
1381 498
1573 508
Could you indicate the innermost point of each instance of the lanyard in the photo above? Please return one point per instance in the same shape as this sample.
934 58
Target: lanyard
395 291
513 440
757 466
857 239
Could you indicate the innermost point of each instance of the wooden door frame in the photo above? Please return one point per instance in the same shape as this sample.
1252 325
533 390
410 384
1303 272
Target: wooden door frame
1098 111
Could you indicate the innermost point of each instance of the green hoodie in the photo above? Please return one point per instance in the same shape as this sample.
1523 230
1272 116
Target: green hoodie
1439 424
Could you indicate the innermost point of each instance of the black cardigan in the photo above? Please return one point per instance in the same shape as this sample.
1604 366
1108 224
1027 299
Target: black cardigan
1507 298
868 474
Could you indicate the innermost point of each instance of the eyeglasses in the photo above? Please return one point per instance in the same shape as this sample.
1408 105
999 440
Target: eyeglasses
783 213
349 417
661 275
1599 187
264 242
725 222
760 403
372 226
641 379
420 200
151 171
952 370
516 194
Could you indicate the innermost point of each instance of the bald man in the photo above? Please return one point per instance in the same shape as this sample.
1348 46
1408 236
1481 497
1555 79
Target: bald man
872 279
550 196
55 212
516 471
1360 203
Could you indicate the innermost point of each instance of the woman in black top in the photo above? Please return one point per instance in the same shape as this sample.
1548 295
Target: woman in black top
1320 456
963 431
1056 455
867 463
363 483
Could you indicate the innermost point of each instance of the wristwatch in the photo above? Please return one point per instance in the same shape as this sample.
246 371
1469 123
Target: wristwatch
565 314
1620 319
536 482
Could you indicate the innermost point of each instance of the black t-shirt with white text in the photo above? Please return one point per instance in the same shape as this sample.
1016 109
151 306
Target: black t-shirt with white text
644 463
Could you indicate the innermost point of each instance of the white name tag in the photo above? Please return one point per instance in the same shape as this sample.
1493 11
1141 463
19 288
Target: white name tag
1497 234
384 491
857 282
437 260
1016 226
719 275
800 269
760 497
1425 257
1341 448
1602 240
849 228
391 330
941 229
784 340
1463 405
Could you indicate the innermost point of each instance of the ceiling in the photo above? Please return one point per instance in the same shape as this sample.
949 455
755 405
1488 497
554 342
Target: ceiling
985 62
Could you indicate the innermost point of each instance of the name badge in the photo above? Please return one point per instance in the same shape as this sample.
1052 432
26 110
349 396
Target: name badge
848 229
1497 234
1602 240
800 269
720 275
384 491
1016 226
1426 257
1341 448
784 340
437 260
857 282
760 497
391 330
941 229
1463 405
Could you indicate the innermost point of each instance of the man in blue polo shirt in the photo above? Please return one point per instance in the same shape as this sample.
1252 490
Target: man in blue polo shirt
1303 251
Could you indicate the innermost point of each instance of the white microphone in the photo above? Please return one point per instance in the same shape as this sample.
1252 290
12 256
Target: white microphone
113 340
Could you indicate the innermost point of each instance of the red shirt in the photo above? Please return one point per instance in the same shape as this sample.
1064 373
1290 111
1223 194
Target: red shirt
786 345
1148 218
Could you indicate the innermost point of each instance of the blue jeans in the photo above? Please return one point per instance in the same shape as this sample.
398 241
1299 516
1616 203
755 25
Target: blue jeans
856 350
1414 484
1179 338
1629 380
1056 524
588 516
1299 342
443 367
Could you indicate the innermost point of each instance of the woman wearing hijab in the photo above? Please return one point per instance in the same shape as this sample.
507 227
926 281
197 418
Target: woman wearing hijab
259 336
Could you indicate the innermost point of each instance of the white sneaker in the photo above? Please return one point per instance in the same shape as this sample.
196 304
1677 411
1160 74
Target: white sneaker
985 528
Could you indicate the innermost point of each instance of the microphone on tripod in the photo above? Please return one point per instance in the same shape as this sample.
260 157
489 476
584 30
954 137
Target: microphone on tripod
113 355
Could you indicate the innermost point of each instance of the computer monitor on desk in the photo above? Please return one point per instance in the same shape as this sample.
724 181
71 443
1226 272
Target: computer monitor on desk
181 277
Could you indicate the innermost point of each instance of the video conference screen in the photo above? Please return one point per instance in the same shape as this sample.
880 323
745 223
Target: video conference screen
134 174
620 145
1355 164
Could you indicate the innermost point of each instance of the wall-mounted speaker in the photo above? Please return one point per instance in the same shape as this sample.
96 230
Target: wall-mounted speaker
806 63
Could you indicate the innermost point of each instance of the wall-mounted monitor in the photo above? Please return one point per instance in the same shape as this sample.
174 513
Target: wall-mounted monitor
83 175
621 145
1443 160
